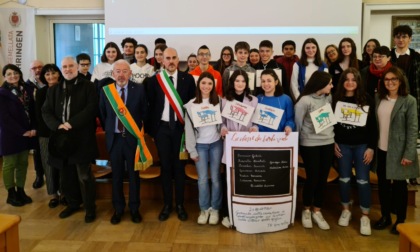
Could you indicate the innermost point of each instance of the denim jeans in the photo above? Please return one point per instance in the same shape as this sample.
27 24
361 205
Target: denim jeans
353 156
209 153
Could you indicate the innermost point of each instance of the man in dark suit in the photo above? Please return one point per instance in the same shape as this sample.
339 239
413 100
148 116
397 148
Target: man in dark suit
166 127
121 144
69 111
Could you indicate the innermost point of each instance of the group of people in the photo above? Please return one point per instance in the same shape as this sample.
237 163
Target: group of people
131 93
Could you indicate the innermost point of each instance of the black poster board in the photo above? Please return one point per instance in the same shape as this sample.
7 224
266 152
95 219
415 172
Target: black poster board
262 172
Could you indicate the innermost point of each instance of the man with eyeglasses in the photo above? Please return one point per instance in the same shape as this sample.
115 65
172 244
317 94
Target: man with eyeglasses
203 57
83 60
120 141
33 84
409 61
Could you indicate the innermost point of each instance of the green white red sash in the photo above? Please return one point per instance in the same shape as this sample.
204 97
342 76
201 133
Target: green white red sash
143 158
176 103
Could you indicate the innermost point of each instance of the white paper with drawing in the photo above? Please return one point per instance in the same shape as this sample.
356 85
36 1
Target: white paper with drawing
350 113
323 118
251 79
205 114
258 77
238 112
267 116
261 184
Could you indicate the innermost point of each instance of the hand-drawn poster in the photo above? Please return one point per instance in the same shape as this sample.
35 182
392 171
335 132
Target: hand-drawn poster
323 118
251 79
262 176
267 116
238 112
258 77
350 113
205 115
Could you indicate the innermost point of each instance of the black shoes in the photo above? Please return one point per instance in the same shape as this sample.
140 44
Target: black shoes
90 217
136 217
394 227
116 218
164 214
20 194
68 211
54 202
182 214
38 183
13 199
382 223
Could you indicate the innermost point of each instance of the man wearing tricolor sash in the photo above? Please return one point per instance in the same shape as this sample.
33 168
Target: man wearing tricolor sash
123 108
167 92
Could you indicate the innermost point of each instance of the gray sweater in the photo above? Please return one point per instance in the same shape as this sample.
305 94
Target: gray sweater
304 125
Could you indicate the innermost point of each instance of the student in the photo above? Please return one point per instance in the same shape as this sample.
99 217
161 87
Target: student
367 54
158 59
158 41
287 60
354 147
84 62
266 62
274 96
191 62
238 90
241 53
397 158
129 44
254 57
347 57
204 57
205 147
309 63
141 69
330 54
226 59
103 70
317 150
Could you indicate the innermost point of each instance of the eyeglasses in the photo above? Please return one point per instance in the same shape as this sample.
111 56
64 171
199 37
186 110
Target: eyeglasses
204 54
226 54
393 80
331 52
85 65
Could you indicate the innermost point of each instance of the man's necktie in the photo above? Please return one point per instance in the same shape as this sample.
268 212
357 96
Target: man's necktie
171 110
120 124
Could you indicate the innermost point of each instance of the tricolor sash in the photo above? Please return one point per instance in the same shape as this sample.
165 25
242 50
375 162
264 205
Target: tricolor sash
143 158
176 104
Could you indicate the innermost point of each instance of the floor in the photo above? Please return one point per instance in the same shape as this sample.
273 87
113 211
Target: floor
42 230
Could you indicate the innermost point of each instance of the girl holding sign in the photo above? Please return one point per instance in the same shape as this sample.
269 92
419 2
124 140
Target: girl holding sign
354 143
205 146
275 97
317 150
397 158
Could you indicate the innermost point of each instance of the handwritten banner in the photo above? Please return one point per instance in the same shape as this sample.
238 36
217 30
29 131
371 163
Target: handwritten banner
350 113
205 115
262 174
267 116
238 112
323 118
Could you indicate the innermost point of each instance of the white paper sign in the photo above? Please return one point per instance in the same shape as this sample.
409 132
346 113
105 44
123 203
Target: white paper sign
205 115
323 118
267 116
251 79
262 175
258 80
238 112
350 113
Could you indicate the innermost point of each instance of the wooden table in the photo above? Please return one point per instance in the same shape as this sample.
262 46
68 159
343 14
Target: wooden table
9 233
409 237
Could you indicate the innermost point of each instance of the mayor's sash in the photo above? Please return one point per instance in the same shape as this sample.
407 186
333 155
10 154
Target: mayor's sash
143 158
176 104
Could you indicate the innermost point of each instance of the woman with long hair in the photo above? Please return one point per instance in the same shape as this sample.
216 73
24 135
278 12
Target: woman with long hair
317 150
140 69
205 147
367 53
354 147
158 53
309 62
226 59
110 54
397 158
